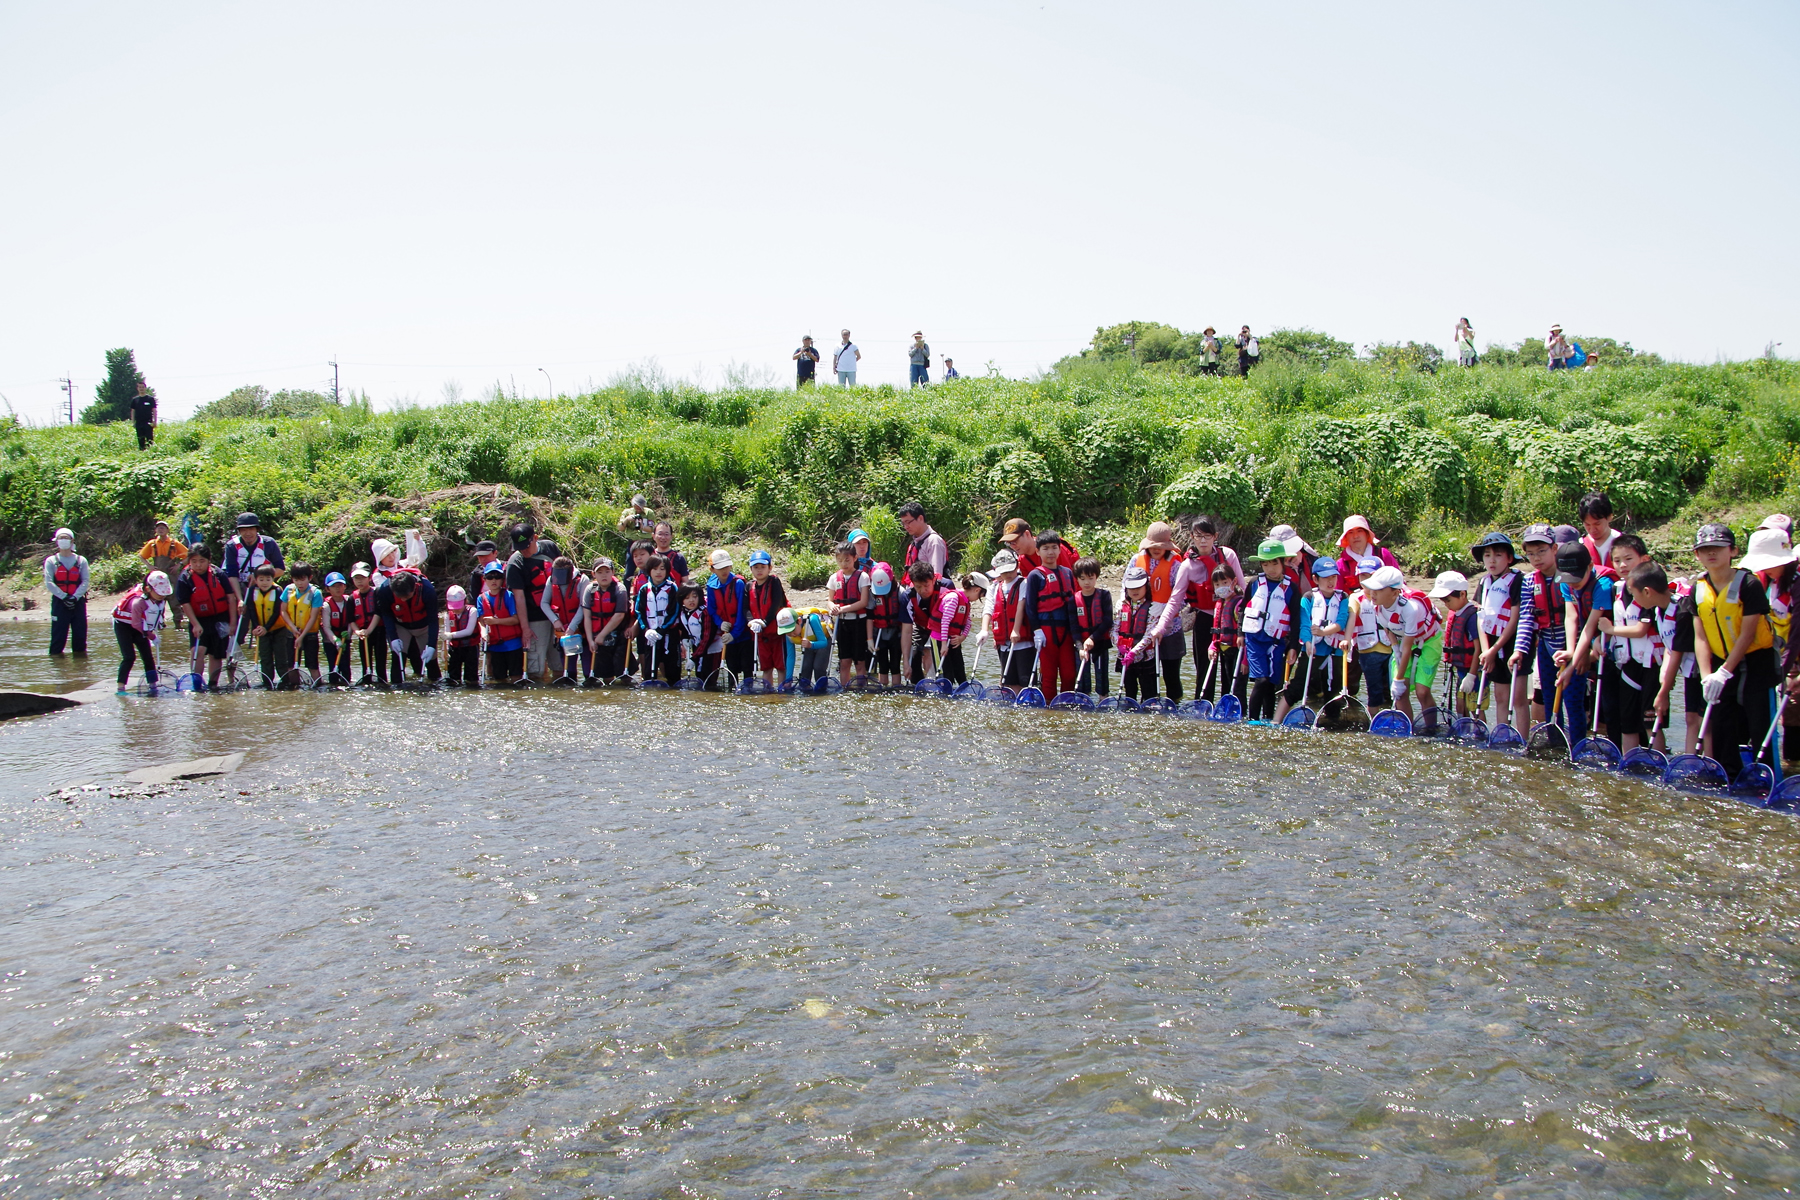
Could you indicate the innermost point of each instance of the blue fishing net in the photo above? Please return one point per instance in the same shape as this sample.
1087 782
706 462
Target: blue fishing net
1644 761
1695 773
1431 724
970 691
1122 704
828 686
938 686
1031 698
1505 739
1596 754
1228 711
1158 706
1471 731
1753 784
1786 796
1001 695
1194 710
1300 718
691 683
1073 700
1392 723
189 683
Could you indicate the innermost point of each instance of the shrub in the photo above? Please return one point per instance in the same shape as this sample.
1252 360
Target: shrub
808 569
1218 489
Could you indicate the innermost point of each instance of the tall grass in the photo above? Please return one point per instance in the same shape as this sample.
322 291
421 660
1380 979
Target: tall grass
1500 446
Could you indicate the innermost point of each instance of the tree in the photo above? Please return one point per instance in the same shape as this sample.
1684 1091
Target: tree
1422 357
112 399
1307 345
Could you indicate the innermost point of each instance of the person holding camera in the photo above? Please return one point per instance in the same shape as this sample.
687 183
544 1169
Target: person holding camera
1249 350
806 364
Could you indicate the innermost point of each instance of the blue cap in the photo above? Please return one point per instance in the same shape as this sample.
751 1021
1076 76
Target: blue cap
880 582
335 577
859 535
1368 563
1325 566
494 568
760 556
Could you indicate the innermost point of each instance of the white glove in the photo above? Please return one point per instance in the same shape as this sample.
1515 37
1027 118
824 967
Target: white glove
757 626
981 637
1037 639
427 654
1469 684
1713 686
725 638
399 647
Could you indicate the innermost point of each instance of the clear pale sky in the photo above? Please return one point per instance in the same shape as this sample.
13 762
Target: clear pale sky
462 193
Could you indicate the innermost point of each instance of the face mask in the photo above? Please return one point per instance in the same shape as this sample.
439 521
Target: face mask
563 574
65 544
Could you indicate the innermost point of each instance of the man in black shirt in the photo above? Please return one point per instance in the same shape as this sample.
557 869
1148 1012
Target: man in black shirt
143 415
526 572
806 361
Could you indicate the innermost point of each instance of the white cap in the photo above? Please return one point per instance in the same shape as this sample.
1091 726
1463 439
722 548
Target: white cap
1006 560
64 532
158 582
1447 582
721 560
1387 577
977 579
880 582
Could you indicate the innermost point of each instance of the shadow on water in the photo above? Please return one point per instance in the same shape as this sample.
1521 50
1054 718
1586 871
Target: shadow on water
678 944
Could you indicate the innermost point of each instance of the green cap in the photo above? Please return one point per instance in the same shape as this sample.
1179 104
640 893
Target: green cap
1271 548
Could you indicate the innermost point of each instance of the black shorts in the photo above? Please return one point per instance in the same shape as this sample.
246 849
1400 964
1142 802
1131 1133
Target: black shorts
206 633
853 641
505 665
1500 672
886 653
1632 706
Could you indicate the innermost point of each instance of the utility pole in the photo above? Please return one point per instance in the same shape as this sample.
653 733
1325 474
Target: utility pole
68 385
334 382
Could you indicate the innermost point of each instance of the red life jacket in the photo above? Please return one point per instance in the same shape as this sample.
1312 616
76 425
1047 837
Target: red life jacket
1094 619
725 600
66 578
565 603
340 613
210 596
603 602
884 611
959 618
1200 592
912 553
1546 601
761 599
847 589
1004 604
122 610
410 610
1058 597
1584 596
1134 621
364 606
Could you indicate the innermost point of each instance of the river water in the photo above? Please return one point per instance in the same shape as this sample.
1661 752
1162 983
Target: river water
677 945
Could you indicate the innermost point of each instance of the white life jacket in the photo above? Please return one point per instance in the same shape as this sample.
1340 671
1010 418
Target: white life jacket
1332 610
1497 607
1393 620
1366 629
1665 635
1257 605
1645 651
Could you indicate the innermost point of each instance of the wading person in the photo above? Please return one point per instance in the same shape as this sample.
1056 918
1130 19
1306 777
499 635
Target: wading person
845 360
66 579
211 607
1157 559
250 549
140 613
408 604
806 364
527 572
163 552
918 357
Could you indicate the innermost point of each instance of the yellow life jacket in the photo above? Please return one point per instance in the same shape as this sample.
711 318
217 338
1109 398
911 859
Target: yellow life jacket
1722 616
802 628
298 603
264 607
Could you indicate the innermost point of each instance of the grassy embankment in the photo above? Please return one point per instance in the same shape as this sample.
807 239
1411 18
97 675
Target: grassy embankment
1429 458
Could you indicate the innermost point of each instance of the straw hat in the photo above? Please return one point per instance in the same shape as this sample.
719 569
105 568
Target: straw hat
1160 536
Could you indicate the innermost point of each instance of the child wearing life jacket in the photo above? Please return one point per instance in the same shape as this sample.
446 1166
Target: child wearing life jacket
605 615
266 623
205 595
851 590
1193 588
1372 652
1412 625
1595 511
1138 672
729 642
560 599
1462 643
1734 647
1047 614
807 637
1000 618
1094 629
1540 632
765 598
140 613
939 613
1270 628
1585 589
462 639
1227 638
1771 556
1499 598
302 611
885 625
368 626
1324 616
338 629
691 632
657 608
1639 629
1675 628
497 613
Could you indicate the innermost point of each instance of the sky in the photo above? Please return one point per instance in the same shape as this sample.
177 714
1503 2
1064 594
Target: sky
444 197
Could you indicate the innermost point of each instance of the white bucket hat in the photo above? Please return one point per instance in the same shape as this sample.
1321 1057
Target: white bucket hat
1768 550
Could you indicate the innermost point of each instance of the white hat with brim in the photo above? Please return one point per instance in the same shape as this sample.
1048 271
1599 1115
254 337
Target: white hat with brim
1004 561
977 579
1289 537
721 560
1353 523
1136 577
1387 577
1447 582
1768 551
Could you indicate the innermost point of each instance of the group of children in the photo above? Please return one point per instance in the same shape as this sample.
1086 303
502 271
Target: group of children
1581 627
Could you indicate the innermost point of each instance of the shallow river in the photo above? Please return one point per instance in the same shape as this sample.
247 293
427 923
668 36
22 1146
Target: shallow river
668 944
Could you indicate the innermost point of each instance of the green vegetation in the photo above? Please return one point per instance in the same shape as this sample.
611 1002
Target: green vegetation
112 399
1427 457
